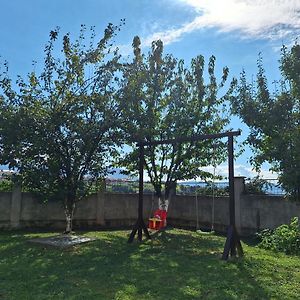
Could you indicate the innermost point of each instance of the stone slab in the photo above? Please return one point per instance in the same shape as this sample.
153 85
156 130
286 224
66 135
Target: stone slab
62 241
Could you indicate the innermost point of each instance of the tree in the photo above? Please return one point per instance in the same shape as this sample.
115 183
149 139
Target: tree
274 119
58 128
163 99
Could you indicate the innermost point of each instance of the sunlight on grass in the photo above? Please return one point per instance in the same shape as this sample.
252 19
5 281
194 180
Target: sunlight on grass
176 264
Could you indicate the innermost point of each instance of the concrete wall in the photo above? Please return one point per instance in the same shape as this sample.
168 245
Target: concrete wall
183 212
105 210
5 206
260 212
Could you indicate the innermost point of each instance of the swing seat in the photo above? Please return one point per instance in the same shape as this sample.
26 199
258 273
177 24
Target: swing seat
159 220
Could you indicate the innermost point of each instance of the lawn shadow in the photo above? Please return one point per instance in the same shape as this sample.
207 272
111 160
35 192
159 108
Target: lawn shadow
176 264
193 262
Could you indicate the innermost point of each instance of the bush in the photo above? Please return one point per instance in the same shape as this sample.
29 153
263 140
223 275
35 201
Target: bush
6 185
285 238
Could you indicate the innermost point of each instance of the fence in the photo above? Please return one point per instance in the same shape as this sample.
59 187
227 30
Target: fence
182 188
264 187
203 188
127 187
252 186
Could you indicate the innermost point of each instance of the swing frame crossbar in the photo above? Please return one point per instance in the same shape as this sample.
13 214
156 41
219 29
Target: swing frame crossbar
232 245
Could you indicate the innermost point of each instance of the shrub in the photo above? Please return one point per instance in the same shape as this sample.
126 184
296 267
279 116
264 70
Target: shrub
285 238
6 185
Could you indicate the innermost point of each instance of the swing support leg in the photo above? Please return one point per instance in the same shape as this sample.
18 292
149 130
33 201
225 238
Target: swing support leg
139 227
233 244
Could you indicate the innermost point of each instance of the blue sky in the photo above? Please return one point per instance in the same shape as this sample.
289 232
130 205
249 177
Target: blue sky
235 31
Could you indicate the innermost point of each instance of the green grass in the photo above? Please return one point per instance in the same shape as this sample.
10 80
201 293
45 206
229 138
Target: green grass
177 264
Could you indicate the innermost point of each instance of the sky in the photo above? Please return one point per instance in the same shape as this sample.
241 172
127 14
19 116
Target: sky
235 31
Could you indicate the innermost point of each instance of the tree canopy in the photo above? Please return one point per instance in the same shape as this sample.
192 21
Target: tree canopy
58 128
163 98
274 119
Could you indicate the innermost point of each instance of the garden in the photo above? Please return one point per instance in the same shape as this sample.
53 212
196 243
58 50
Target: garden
68 125
175 264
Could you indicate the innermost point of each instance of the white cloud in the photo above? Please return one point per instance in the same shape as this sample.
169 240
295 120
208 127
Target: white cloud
273 19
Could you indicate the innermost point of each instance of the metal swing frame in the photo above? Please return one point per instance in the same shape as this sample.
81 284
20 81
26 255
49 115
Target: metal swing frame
232 245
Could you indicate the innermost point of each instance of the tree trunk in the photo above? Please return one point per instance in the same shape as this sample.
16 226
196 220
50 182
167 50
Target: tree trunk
69 213
170 192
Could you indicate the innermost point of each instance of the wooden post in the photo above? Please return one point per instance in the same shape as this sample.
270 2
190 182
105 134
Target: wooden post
141 182
232 244
231 182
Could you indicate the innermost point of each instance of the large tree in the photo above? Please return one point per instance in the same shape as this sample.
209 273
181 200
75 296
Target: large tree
274 119
58 128
162 98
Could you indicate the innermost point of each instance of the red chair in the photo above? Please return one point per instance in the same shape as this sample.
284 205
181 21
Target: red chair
159 220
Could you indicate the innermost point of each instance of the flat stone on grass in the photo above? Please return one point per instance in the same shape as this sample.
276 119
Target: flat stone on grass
62 241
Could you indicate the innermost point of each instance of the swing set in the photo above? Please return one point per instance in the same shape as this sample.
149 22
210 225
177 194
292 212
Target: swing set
232 245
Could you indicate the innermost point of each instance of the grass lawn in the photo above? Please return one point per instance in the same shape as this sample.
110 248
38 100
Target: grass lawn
177 264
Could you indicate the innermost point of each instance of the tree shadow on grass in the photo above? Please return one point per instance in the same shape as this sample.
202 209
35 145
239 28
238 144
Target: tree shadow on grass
176 264
188 266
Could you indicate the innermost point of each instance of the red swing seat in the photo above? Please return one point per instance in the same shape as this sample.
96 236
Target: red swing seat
159 220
